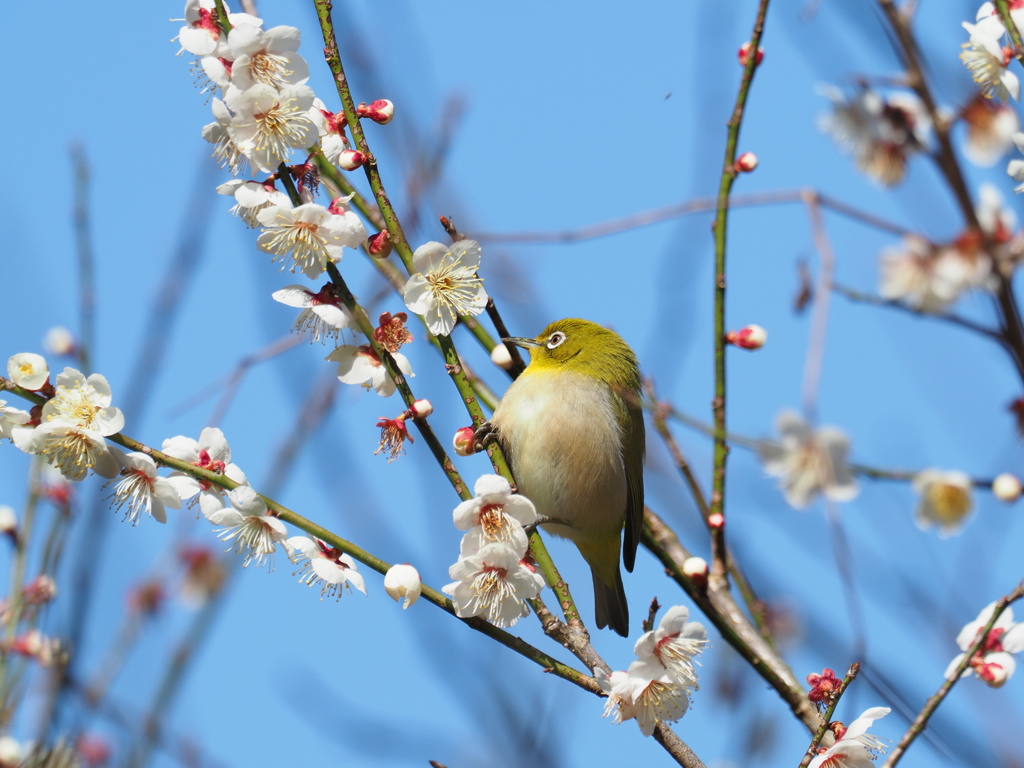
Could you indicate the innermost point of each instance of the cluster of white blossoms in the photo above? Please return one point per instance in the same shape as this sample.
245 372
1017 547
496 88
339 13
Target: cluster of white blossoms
71 428
657 686
809 462
493 580
992 663
263 114
929 277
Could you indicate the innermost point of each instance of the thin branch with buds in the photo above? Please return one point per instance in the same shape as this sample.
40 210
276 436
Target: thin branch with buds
921 721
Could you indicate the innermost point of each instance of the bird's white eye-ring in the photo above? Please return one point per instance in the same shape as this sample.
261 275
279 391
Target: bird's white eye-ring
555 339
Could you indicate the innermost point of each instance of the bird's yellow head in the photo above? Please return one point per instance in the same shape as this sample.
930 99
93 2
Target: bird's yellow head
580 346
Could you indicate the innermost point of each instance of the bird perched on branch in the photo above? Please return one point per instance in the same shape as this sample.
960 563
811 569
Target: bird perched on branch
572 430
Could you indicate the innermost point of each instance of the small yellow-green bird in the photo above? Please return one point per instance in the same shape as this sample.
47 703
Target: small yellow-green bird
573 431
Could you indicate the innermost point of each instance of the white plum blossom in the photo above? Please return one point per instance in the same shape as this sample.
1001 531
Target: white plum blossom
225 151
143 490
402 582
322 314
211 452
251 197
360 365
12 419
201 35
269 124
987 60
645 692
674 644
73 425
924 276
265 57
851 746
28 370
992 663
445 285
247 521
809 462
72 449
945 500
83 402
493 584
880 132
322 563
493 515
331 128
310 235
990 129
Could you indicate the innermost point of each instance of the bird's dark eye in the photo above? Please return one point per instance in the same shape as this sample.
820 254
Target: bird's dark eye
555 339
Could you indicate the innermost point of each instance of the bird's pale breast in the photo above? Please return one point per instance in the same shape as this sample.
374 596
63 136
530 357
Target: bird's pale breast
565 446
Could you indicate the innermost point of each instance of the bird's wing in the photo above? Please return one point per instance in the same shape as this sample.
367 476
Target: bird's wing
633 448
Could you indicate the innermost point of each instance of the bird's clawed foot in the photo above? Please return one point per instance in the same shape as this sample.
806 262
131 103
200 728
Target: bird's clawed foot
485 435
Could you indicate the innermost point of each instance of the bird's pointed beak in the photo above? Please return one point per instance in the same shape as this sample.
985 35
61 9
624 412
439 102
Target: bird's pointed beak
522 341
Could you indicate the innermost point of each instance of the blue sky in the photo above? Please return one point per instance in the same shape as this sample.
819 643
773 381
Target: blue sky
571 114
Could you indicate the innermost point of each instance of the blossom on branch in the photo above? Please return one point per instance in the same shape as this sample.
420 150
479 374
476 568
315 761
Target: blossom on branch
674 645
254 530
445 285
268 124
310 235
322 314
880 132
493 584
266 57
142 490
494 515
990 129
402 582
28 370
212 453
251 197
809 462
988 60
992 663
945 500
646 692
361 365
851 746
322 563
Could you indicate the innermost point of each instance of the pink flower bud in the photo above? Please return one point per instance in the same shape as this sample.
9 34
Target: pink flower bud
350 159
745 163
744 55
716 521
696 570
1007 488
379 245
993 674
463 441
751 337
421 409
380 111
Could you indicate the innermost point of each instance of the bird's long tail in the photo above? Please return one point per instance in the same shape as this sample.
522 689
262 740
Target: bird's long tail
610 608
